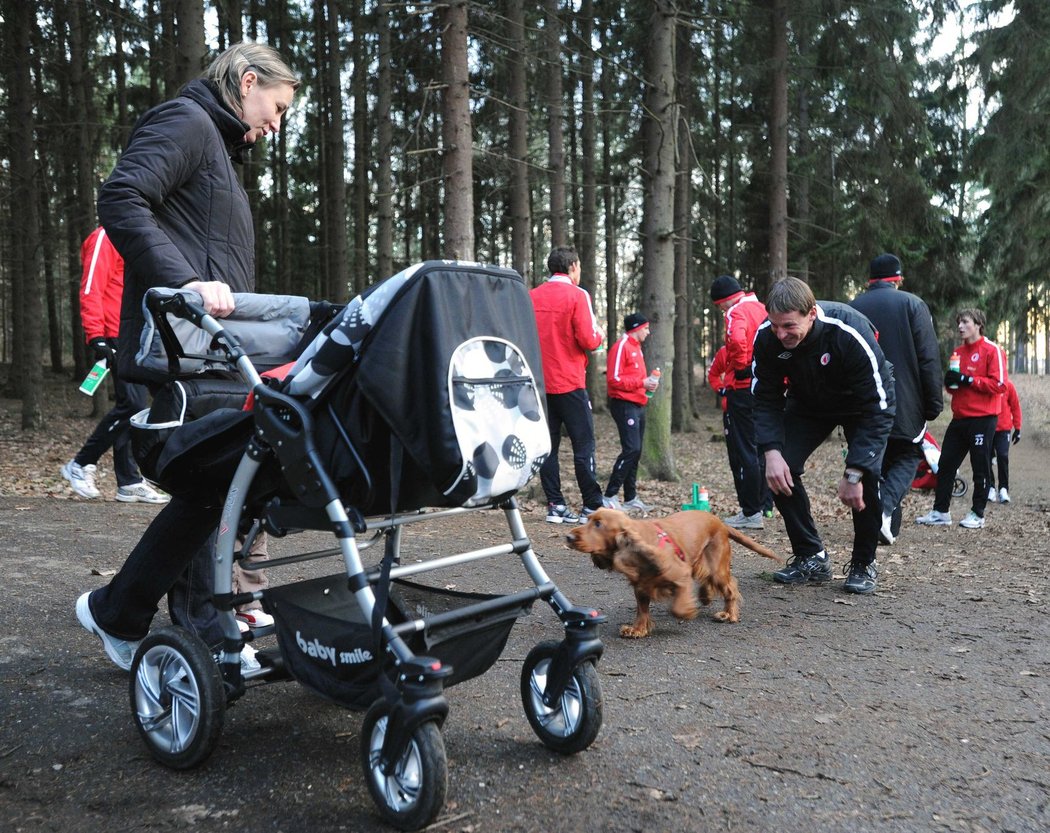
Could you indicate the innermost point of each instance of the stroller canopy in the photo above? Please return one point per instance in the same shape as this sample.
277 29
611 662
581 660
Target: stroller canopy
446 355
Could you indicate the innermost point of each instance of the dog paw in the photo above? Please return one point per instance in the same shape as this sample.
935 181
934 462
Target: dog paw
631 632
729 618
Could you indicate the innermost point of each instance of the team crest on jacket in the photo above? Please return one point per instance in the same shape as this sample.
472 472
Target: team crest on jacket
975 357
784 355
825 359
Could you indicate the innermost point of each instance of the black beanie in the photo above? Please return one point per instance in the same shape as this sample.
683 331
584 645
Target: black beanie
885 267
724 286
634 321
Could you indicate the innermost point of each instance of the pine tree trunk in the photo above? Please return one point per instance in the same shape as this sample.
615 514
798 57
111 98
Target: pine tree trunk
26 372
518 127
682 397
555 123
384 147
456 134
361 207
778 220
658 138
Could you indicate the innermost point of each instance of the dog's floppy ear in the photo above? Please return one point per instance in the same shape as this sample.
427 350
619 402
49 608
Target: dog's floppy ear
637 559
602 560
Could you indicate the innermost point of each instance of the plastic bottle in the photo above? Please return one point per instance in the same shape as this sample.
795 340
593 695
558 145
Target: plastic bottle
95 377
704 500
654 376
954 364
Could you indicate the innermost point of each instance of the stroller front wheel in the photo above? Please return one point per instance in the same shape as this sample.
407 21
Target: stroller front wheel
959 487
573 723
412 795
177 697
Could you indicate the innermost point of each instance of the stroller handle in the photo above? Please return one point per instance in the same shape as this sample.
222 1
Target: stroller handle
181 305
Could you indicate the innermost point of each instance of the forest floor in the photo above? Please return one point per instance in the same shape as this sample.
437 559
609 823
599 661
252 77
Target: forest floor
922 708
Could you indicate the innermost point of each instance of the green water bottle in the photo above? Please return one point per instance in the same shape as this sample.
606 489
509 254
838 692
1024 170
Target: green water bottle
95 377
703 500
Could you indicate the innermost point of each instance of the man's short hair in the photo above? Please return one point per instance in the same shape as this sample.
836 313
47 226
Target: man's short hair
790 295
559 260
974 315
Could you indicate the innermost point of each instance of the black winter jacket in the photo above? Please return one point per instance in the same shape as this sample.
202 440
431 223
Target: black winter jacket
174 207
908 338
837 373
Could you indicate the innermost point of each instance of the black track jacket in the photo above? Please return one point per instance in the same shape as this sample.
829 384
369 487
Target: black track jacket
908 338
837 373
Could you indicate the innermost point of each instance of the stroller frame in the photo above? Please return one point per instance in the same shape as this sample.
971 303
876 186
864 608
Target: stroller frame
402 752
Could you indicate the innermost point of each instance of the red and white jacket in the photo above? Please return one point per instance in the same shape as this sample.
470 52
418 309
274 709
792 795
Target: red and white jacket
1009 410
716 374
742 322
625 371
985 362
567 329
101 286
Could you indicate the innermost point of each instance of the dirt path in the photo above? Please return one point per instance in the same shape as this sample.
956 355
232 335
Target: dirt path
924 708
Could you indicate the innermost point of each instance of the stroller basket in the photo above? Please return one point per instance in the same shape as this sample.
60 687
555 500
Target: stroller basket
328 646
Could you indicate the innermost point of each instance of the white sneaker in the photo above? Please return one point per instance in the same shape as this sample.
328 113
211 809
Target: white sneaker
1004 496
248 660
742 521
610 502
992 496
636 504
972 521
935 518
885 531
141 493
81 479
120 651
255 618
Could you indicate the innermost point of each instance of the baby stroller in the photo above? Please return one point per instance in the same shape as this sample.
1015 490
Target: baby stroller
419 401
926 472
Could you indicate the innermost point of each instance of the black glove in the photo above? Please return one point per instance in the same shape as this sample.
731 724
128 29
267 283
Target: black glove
1016 438
954 377
102 349
721 391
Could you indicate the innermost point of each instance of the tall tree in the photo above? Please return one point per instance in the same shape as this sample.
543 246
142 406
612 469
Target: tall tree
384 149
659 128
683 376
555 122
25 241
456 133
778 128
518 129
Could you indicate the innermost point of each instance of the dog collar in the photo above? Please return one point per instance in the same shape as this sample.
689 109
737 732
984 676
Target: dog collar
663 538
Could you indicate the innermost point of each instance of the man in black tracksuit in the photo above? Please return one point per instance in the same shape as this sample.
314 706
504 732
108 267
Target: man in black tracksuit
909 340
818 366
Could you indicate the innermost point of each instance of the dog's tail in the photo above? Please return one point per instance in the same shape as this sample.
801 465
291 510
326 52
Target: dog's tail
751 544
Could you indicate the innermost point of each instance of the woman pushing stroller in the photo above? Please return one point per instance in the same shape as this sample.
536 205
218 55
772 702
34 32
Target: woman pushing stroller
174 182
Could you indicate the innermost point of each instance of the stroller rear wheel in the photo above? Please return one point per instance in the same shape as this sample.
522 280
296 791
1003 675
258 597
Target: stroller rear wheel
412 795
177 697
574 722
959 487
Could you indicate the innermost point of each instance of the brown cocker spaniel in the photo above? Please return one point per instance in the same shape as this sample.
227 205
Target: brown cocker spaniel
662 560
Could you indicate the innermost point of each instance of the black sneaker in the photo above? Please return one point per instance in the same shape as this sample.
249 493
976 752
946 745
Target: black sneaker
805 568
861 578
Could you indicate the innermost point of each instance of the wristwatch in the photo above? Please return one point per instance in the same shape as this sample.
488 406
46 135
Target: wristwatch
853 475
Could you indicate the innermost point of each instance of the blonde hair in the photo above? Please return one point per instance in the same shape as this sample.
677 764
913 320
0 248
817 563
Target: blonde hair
790 295
228 69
